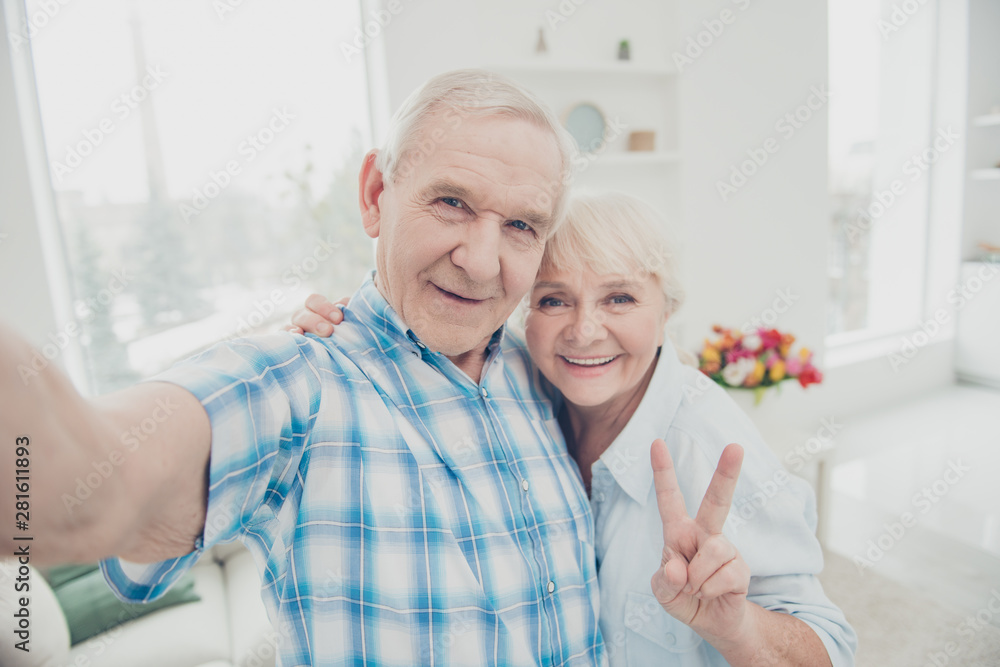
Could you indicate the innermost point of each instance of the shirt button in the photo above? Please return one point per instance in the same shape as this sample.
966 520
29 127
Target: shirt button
600 497
483 392
552 587
670 639
421 345
524 484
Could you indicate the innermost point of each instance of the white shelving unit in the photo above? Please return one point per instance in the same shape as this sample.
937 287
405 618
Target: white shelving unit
635 95
625 67
986 120
990 173
642 96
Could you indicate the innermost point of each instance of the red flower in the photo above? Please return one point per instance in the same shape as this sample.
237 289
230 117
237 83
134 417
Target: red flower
770 338
810 375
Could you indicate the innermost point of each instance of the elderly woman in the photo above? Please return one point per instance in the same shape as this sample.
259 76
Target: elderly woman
724 590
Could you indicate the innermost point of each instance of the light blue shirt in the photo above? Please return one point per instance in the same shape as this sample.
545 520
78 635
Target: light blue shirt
399 513
772 523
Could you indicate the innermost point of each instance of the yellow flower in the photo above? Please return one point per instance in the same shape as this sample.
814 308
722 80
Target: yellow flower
709 353
778 371
756 375
805 354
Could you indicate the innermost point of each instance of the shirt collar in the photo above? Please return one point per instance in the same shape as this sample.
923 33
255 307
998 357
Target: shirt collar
627 459
373 311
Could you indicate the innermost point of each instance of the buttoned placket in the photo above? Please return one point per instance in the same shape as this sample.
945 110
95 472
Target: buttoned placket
601 482
540 566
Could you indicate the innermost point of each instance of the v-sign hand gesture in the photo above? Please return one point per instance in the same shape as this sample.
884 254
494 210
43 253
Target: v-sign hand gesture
702 580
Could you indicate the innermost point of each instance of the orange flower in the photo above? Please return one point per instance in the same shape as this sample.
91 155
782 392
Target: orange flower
727 341
756 375
777 372
786 344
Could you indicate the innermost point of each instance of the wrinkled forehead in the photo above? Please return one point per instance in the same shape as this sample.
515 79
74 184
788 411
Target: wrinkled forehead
502 160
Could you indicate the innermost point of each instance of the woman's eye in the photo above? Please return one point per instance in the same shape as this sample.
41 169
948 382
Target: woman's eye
550 302
453 202
622 299
520 225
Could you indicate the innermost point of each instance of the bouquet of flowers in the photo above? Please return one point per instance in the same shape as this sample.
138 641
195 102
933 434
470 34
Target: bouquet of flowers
756 360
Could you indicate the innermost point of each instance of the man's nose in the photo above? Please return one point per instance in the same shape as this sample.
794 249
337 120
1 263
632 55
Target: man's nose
478 253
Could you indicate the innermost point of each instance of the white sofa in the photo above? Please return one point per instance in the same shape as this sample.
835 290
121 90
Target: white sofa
228 627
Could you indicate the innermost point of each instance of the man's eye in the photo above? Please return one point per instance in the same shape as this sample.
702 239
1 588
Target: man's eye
520 225
453 202
550 302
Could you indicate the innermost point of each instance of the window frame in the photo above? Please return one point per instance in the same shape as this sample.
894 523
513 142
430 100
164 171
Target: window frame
53 281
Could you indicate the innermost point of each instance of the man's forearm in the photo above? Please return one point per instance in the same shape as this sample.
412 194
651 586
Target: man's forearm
772 639
63 436
121 475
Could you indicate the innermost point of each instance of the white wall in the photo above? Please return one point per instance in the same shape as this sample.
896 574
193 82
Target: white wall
427 38
770 236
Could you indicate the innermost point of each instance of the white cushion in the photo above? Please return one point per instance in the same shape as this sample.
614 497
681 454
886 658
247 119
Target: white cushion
188 635
49 635
253 639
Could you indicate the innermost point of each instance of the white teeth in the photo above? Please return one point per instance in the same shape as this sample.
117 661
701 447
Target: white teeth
590 362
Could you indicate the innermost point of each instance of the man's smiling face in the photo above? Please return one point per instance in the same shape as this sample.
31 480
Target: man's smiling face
461 236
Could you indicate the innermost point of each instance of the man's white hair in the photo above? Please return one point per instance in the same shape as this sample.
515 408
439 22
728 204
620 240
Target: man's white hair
466 93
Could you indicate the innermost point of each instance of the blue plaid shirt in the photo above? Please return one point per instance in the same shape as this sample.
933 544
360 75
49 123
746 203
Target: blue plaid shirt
400 513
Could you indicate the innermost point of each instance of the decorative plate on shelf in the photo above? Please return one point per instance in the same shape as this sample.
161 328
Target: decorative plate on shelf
586 123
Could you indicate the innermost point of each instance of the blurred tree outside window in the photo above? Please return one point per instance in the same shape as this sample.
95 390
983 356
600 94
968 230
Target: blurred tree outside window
881 113
204 165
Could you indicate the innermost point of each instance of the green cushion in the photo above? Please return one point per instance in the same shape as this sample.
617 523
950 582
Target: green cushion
57 576
91 608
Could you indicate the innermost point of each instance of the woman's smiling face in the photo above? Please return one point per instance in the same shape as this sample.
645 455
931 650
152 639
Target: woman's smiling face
595 337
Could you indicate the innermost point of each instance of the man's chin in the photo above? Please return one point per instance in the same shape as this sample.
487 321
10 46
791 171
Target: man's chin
452 340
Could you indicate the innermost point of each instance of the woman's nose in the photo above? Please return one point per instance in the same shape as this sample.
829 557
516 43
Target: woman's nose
587 327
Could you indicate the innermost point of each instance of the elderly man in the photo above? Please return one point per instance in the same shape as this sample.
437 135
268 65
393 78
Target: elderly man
404 490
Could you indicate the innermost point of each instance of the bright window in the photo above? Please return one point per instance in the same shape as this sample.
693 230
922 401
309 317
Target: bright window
204 162
882 146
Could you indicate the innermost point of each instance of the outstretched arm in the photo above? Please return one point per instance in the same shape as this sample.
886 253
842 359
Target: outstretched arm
703 581
123 474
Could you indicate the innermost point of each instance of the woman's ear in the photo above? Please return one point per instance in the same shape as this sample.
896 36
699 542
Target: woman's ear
370 188
663 326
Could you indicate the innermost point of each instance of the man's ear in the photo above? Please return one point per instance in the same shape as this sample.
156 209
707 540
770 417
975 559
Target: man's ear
370 187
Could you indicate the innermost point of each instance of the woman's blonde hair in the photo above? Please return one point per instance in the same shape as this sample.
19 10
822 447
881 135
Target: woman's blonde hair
615 233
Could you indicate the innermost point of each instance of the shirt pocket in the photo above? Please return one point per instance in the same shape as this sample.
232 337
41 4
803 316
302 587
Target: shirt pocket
649 631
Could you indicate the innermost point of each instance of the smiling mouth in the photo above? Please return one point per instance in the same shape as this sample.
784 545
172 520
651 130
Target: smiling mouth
593 361
457 297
